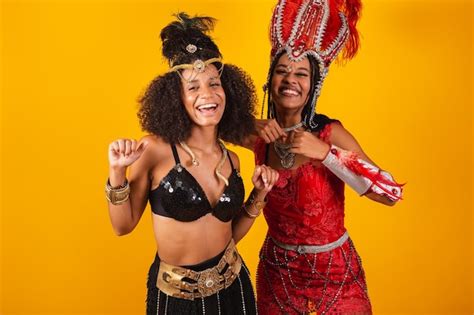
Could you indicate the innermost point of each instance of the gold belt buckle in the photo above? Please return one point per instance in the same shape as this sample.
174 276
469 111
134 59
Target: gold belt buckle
209 282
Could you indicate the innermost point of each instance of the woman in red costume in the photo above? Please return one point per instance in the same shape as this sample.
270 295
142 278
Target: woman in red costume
308 263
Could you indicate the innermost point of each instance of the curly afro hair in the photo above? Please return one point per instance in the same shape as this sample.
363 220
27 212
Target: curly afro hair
162 111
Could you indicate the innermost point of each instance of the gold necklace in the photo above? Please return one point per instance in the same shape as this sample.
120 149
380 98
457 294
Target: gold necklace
219 165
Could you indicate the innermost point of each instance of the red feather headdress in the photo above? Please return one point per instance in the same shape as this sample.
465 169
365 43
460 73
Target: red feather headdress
320 28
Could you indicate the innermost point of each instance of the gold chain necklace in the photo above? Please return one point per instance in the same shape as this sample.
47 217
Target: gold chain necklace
219 165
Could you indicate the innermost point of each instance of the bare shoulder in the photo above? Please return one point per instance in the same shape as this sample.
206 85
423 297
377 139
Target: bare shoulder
249 142
156 148
235 159
338 130
152 140
341 137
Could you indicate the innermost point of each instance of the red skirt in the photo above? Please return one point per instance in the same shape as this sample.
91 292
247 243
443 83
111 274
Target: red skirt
331 282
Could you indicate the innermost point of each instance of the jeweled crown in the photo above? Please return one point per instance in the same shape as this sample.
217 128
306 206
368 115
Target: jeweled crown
318 27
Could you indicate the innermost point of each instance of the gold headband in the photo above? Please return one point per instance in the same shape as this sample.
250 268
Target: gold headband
199 66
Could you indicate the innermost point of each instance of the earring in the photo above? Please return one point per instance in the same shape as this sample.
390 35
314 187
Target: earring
264 99
271 110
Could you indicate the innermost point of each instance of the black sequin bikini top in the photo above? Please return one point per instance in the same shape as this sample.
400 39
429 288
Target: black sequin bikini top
179 195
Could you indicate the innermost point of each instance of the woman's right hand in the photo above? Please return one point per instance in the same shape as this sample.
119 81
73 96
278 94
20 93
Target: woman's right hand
123 152
263 179
269 130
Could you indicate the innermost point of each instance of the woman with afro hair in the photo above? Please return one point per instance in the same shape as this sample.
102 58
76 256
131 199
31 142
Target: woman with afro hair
191 180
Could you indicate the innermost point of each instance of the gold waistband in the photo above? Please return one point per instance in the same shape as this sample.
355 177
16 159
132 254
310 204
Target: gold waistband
188 284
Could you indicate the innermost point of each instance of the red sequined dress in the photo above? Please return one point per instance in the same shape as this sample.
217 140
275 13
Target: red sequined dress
306 207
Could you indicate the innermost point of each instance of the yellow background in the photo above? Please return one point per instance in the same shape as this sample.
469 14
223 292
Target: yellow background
71 72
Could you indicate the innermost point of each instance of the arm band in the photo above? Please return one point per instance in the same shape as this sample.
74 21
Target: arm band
361 175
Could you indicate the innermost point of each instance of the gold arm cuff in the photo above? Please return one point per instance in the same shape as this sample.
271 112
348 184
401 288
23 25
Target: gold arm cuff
119 195
257 205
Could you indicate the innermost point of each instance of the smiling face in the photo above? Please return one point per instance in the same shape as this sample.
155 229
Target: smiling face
290 84
203 96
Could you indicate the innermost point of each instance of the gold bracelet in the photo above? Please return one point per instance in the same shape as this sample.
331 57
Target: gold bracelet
250 215
258 205
117 195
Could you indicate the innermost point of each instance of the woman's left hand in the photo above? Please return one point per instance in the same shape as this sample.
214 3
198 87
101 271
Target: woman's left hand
307 144
263 179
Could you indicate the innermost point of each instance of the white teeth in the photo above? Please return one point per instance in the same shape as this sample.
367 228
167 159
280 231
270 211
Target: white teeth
290 92
207 106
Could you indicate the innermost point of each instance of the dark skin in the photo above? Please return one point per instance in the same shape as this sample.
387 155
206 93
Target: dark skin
289 91
150 159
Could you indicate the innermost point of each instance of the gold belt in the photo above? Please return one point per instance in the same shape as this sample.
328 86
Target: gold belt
188 284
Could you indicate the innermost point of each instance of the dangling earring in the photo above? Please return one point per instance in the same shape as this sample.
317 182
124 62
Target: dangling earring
271 110
264 98
309 119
